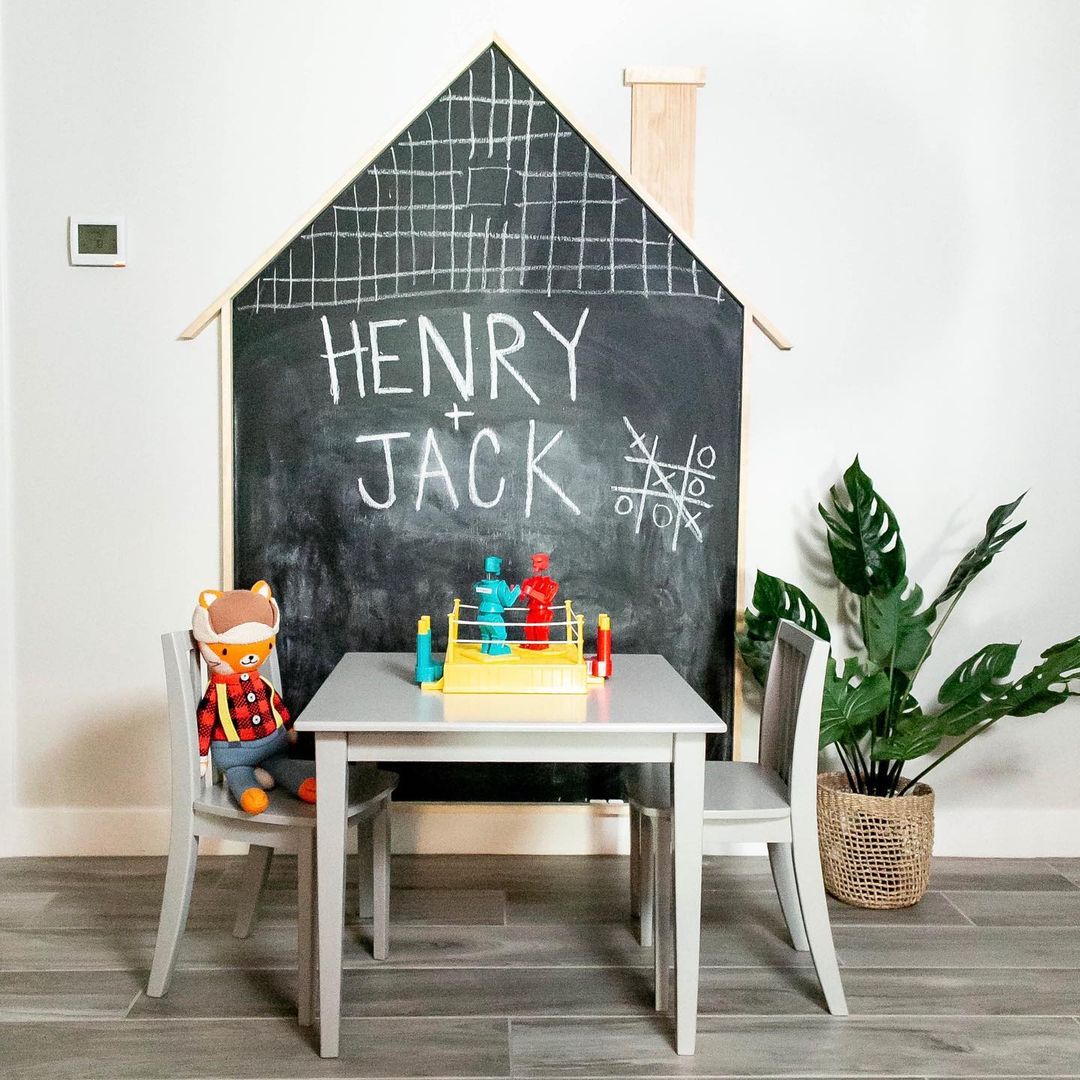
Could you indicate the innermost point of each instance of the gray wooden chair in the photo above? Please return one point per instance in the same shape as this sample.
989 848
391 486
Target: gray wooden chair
202 807
773 800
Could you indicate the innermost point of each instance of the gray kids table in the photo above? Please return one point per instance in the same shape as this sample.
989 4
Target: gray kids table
369 709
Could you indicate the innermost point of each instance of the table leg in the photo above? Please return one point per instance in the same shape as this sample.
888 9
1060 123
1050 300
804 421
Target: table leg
688 807
331 761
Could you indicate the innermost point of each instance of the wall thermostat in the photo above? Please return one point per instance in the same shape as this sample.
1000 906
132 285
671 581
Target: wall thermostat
97 241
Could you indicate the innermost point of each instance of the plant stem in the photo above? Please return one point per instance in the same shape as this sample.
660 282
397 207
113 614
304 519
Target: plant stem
861 768
890 717
911 683
847 770
894 775
949 753
926 651
874 723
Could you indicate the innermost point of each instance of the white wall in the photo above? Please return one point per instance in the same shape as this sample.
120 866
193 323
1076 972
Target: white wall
7 592
891 183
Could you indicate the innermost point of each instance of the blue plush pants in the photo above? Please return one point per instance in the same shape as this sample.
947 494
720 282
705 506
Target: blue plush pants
237 760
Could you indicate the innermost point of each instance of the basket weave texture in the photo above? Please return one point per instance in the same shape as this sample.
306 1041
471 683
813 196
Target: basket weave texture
875 852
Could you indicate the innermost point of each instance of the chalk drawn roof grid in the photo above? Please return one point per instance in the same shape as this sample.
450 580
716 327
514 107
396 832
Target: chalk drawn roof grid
487 190
511 207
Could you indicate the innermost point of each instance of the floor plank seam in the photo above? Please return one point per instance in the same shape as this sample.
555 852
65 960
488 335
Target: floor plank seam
644 1012
952 903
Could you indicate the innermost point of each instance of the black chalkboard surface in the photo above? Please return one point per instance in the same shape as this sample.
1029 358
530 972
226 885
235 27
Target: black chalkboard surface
487 344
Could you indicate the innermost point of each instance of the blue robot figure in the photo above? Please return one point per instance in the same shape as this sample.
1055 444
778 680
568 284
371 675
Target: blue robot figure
494 597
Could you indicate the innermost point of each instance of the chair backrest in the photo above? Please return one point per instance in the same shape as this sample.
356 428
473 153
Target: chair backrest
791 713
185 681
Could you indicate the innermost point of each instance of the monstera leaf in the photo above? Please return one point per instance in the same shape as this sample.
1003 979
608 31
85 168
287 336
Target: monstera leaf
979 677
855 696
977 695
982 554
914 734
775 599
896 632
864 537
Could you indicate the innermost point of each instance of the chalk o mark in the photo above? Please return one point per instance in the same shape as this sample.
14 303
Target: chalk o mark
662 515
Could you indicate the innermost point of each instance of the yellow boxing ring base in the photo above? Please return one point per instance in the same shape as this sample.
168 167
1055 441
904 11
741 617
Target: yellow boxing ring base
561 668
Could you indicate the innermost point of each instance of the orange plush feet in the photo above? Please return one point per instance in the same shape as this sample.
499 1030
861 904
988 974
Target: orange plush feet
254 801
306 791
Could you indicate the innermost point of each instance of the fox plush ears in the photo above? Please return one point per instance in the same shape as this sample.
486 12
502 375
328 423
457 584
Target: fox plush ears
208 596
237 617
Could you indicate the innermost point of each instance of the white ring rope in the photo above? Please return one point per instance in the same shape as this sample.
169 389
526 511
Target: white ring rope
469 622
504 641
475 607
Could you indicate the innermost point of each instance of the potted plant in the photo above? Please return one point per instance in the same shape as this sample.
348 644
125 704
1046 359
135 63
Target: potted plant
876 824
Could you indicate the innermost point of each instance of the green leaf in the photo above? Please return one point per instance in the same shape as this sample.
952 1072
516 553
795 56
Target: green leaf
864 536
1046 685
914 734
895 630
755 654
854 697
985 669
775 599
1040 703
982 554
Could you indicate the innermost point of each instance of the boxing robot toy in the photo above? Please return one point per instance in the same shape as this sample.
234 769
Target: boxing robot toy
540 590
494 597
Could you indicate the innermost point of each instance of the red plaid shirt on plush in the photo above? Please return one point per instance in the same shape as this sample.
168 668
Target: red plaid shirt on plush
248 702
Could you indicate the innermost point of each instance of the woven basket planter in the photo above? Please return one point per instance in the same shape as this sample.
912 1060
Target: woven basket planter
875 852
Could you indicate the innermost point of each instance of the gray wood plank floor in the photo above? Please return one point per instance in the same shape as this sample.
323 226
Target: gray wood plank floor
527 967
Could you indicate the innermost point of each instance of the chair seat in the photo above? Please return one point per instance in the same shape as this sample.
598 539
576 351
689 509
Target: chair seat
367 786
733 790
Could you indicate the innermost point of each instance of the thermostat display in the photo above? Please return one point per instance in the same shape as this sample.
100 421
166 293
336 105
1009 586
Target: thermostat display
97 241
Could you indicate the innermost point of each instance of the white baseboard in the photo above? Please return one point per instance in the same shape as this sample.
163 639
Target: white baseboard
72 830
418 828
515 829
1008 833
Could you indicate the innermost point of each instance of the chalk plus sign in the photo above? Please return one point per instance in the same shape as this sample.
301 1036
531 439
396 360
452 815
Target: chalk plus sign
456 415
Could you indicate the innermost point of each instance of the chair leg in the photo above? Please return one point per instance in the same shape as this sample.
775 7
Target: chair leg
663 929
635 864
380 848
815 912
313 1001
364 874
179 877
256 871
647 880
305 926
783 872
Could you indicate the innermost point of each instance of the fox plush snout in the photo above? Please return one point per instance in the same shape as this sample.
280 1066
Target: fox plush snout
236 630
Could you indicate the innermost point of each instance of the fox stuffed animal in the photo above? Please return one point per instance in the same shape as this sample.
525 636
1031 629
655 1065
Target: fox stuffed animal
243 723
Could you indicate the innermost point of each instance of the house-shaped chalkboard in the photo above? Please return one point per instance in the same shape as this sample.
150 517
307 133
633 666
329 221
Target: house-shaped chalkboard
486 341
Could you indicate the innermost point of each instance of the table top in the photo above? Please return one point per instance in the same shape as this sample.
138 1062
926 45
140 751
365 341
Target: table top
376 692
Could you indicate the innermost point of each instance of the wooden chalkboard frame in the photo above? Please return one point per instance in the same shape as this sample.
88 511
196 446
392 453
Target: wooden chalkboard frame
222 306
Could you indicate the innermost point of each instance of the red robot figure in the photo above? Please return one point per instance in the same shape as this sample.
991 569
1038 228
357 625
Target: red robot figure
540 590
